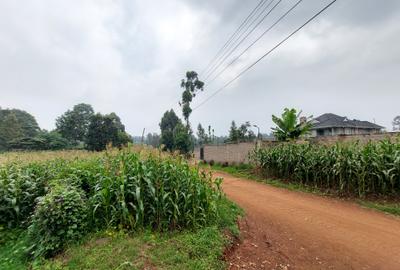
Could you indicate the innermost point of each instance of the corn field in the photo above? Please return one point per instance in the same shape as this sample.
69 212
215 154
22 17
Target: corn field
354 169
121 189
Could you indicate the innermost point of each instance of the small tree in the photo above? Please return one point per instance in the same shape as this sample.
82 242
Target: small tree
201 135
153 139
182 139
396 123
233 133
290 125
168 123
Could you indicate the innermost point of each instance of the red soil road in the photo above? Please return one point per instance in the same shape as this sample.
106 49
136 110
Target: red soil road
293 230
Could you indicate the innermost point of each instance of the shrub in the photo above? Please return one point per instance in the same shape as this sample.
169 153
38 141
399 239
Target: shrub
60 217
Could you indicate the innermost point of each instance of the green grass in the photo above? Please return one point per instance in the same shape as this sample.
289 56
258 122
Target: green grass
13 244
188 249
248 172
390 208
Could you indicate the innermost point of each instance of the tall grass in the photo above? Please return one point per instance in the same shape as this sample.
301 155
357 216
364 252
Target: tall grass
371 169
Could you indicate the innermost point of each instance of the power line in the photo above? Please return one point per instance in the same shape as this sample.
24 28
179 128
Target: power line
215 68
239 38
233 35
265 55
255 41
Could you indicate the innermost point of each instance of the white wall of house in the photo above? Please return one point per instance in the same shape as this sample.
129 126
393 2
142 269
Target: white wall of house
342 131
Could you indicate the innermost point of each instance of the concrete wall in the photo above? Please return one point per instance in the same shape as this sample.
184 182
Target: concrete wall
239 153
234 153
351 138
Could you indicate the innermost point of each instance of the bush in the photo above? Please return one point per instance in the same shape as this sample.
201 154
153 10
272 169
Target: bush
60 217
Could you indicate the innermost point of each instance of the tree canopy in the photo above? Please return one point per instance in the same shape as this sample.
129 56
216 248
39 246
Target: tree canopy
243 133
174 134
104 130
74 124
191 85
153 139
168 123
16 124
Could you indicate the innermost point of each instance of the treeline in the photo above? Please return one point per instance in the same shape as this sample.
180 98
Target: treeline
79 127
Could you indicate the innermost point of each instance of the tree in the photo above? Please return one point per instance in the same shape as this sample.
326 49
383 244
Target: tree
201 135
396 123
191 86
153 139
15 124
245 134
241 134
233 133
168 123
291 126
182 139
211 135
74 124
53 140
104 130
43 141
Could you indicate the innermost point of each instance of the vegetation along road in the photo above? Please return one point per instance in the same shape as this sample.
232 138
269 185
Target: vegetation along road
293 230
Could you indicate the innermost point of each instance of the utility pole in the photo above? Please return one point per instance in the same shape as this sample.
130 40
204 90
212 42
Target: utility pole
143 135
258 131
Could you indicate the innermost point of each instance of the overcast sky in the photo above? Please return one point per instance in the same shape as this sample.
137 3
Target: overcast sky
129 56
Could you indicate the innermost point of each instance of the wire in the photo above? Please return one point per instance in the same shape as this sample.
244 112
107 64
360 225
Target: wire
243 39
265 55
229 49
255 41
233 35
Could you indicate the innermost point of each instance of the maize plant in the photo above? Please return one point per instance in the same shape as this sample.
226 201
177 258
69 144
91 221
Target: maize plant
124 189
371 169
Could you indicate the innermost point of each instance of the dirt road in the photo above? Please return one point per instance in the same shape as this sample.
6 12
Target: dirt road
293 230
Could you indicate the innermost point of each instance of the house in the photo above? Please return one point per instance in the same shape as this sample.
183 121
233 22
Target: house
330 124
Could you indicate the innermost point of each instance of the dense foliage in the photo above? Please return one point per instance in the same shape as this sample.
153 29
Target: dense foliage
59 199
104 130
356 169
15 124
175 136
74 124
290 125
60 218
43 141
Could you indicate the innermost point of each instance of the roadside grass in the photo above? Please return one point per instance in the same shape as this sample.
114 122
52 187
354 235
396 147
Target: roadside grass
189 249
387 207
248 171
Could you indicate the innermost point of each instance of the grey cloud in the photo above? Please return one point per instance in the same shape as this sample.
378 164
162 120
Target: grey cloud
129 56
